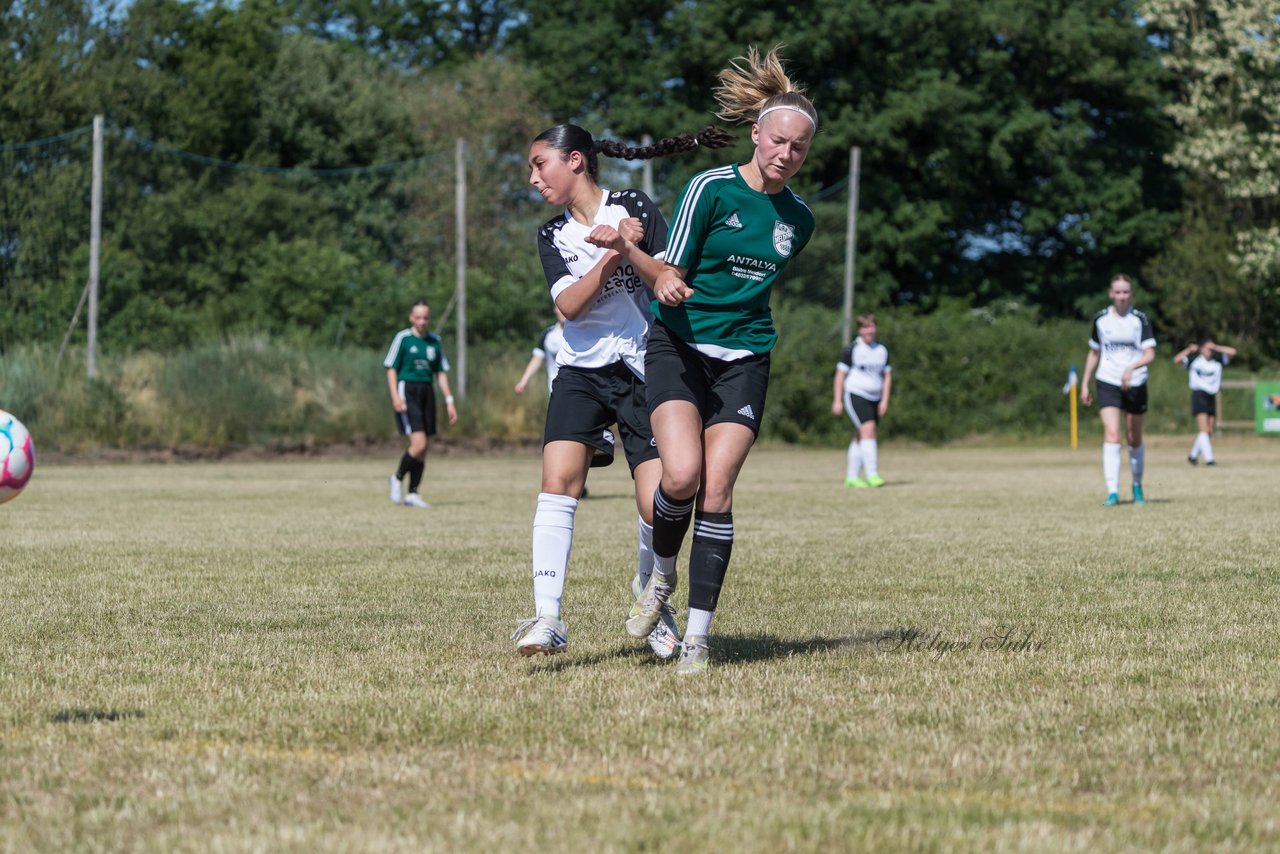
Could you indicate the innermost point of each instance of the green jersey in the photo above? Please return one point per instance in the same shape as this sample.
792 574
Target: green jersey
416 360
733 242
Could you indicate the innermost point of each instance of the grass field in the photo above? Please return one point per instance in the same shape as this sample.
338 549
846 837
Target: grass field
265 656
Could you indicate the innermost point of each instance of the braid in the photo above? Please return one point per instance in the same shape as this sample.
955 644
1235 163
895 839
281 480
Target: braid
754 83
709 137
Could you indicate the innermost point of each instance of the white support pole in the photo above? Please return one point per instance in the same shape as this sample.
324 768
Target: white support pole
95 247
851 241
460 293
646 173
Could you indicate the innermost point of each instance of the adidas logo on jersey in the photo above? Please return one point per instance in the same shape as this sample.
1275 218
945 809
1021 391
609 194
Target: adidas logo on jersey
733 221
748 411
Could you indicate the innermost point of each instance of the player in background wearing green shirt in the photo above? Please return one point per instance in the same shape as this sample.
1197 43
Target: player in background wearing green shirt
415 358
707 367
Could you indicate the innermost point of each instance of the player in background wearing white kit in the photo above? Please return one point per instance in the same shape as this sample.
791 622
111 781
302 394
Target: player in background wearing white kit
549 346
1121 345
1204 374
599 255
548 349
861 389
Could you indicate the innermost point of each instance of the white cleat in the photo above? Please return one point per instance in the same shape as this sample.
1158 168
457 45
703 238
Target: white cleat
396 491
664 640
413 499
695 656
646 614
541 636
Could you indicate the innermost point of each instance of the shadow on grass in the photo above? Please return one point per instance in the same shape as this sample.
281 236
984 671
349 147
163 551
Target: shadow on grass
747 648
89 716
726 649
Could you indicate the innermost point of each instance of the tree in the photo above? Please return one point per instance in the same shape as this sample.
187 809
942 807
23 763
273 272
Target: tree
1225 56
1011 149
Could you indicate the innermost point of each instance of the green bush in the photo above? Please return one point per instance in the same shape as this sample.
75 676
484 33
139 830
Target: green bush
958 373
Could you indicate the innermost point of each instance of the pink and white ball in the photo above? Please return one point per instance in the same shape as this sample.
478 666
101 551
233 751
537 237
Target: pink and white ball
17 457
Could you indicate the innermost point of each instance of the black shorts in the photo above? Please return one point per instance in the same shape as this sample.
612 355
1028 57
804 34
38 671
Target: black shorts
1133 400
723 392
586 401
1203 403
860 410
420 409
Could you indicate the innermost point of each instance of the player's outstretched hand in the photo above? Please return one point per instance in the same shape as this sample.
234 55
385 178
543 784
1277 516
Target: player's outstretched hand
670 289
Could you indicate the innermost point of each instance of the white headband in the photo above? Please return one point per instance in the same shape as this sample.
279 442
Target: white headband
769 110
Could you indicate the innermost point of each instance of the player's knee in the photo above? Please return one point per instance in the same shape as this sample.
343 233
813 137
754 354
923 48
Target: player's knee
680 480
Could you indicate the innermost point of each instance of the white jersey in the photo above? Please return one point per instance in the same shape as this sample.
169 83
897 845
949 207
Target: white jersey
865 366
1205 374
549 346
1121 339
616 326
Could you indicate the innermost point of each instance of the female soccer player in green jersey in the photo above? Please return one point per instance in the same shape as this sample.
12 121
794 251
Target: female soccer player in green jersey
707 369
416 357
599 253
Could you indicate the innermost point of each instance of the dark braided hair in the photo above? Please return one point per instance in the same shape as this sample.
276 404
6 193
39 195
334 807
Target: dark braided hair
569 138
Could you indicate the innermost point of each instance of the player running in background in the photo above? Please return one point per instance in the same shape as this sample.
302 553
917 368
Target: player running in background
735 229
861 389
548 347
598 256
1205 378
416 357
1121 345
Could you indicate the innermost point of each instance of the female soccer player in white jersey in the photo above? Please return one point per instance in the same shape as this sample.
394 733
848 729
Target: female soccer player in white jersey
1121 345
735 229
416 357
1204 374
598 256
861 389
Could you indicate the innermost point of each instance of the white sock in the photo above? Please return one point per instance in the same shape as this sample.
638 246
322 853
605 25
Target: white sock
1195 447
1206 447
870 459
644 553
1111 466
699 623
853 461
552 539
1136 457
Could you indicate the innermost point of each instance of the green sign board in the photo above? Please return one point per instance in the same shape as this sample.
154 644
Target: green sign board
1267 412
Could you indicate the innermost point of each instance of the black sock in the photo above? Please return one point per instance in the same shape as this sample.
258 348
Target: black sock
709 558
670 523
406 466
415 474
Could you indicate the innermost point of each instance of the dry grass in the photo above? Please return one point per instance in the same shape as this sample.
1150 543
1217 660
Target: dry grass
267 656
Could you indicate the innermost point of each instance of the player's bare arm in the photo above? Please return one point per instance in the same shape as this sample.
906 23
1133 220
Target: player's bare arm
443 379
1148 356
837 392
579 296
1090 365
397 402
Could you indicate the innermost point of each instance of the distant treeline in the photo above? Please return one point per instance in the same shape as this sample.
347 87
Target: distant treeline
286 170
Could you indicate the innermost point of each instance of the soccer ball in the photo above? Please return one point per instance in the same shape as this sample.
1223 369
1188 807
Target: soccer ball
17 457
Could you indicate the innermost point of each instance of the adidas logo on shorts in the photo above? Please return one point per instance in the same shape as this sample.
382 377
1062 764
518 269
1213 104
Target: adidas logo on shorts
748 411
733 221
